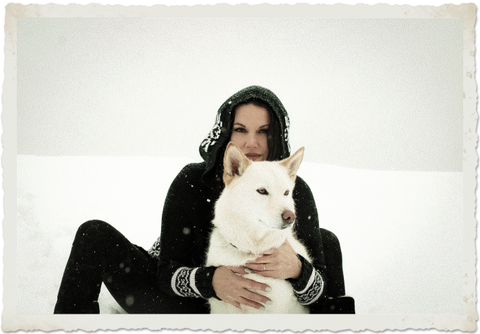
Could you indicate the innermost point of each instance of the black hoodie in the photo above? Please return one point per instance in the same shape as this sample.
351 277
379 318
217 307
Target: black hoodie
212 148
189 206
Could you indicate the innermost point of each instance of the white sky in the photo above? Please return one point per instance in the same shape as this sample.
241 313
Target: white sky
364 93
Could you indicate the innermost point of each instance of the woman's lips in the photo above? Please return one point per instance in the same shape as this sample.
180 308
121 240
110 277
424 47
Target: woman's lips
253 156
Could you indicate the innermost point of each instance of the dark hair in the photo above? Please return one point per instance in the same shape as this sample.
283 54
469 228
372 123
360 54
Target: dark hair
274 142
274 137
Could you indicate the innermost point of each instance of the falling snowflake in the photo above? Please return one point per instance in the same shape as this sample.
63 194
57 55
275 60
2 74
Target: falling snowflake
129 300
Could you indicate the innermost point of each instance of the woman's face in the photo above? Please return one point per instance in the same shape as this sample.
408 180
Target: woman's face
250 131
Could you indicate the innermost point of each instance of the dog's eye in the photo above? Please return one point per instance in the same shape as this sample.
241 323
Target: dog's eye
287 192
262 191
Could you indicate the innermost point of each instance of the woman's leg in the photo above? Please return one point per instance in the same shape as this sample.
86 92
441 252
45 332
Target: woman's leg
132 281
334 263
336 301
102 254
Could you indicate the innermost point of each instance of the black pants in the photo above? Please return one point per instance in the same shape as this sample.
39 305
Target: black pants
99 254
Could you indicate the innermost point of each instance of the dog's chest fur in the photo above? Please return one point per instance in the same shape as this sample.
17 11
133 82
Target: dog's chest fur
282 296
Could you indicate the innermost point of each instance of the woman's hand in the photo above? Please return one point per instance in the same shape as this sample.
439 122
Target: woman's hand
236 290
281 263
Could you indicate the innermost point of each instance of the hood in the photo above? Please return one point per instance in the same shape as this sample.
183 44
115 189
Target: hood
213 146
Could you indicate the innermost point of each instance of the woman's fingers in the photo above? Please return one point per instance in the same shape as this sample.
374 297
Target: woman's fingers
281 263
265 257
238 270
254 285
236 290
258 268
252 299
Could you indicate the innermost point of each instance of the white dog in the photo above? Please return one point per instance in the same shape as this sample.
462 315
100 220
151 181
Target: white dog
254 213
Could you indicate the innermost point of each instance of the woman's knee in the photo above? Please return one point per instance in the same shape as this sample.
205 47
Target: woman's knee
333 260
94 223
93 227
329 237
93 232
331 245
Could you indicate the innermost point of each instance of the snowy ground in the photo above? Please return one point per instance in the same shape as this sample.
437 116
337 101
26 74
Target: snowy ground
401 232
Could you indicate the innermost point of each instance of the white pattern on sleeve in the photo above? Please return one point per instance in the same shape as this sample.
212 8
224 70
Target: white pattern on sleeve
312 291
183 283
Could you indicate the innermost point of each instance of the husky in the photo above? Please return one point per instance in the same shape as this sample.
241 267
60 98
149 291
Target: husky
254 213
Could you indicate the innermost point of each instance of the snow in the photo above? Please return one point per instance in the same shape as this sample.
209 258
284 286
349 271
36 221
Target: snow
401 232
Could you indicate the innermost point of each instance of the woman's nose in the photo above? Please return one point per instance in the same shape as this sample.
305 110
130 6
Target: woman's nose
252 141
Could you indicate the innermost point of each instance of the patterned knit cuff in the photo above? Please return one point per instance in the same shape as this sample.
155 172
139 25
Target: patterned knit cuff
309 286
193 282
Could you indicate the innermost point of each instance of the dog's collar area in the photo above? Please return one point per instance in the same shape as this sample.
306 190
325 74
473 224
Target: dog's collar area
246 252
238 248
230 242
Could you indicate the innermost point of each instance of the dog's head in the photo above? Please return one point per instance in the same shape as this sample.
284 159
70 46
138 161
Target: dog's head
257 198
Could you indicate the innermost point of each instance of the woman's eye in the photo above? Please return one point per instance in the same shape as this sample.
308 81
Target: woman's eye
262 191
287 192
264 131
239 130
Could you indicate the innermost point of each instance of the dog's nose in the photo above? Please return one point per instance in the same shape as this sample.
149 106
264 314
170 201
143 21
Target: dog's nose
288 217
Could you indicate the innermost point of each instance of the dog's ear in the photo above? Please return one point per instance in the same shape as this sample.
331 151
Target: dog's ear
293 163
234 163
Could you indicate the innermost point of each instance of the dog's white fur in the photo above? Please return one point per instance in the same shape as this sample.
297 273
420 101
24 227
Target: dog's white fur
247 223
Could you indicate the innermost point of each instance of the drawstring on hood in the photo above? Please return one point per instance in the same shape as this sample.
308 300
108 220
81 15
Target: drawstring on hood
213 146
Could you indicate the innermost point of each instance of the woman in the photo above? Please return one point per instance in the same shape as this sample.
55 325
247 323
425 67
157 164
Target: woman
171 276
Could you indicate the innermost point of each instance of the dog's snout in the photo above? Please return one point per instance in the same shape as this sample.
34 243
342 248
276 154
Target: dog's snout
288 217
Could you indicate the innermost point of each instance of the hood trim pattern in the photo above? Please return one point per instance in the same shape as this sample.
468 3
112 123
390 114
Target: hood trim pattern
213 135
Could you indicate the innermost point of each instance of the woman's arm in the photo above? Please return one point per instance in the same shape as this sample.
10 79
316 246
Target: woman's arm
180 271
310 287
186 218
